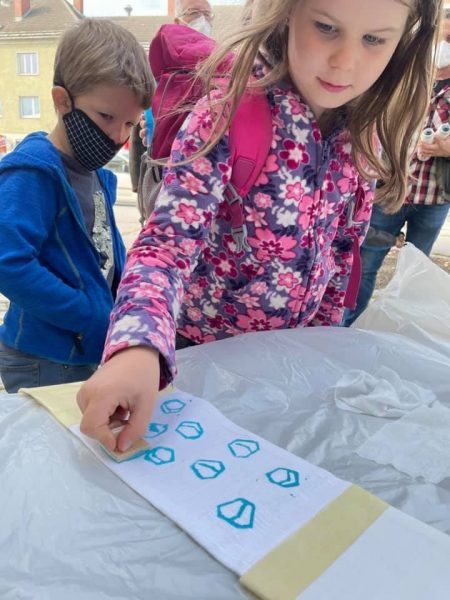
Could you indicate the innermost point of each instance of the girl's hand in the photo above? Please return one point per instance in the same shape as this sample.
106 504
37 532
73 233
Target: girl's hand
122 392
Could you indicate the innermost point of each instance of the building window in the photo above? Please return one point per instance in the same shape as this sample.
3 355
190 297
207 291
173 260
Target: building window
27 63
30 107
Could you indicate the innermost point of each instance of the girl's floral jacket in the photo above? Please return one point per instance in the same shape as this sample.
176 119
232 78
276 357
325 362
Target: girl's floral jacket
184 271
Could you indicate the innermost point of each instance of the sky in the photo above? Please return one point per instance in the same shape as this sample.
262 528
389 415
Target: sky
114 8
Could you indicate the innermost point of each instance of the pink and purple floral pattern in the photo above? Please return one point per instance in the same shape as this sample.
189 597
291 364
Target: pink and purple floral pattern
184 271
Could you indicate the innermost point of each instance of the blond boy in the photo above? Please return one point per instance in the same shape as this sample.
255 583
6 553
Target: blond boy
62 254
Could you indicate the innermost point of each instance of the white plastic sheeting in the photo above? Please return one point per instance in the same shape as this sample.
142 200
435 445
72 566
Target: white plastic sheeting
416 302
70 529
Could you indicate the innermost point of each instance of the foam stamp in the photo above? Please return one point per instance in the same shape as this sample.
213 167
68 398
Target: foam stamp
138 448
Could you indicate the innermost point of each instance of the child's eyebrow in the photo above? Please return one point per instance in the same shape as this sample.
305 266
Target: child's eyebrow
386 29
323 13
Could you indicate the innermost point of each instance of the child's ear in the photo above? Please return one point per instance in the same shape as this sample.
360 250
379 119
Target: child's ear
61 100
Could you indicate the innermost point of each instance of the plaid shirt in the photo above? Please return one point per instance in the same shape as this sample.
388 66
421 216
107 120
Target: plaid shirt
423 189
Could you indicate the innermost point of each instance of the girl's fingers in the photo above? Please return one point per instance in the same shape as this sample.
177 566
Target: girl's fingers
137 424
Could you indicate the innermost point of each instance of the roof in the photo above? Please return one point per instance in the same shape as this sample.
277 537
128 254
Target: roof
49 18
46 18
143 28
227 20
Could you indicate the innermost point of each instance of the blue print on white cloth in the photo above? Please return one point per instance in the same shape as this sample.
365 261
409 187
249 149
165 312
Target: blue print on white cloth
208 469
243 448
285 478
155 430
190 430
173 407
239 513
160 455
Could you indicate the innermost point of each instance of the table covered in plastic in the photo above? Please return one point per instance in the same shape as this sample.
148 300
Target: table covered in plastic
70 529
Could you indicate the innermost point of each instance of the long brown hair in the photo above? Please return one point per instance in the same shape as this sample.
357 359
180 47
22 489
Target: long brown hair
394 107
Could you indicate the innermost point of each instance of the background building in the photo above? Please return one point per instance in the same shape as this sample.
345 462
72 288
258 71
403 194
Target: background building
29 34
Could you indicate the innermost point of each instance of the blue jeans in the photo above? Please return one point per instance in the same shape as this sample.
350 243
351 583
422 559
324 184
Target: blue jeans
424 222
19 369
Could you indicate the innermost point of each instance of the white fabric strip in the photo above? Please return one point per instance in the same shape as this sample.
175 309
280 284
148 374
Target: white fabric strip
236 494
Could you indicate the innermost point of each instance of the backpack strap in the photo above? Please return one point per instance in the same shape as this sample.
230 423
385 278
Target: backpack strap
250 139
354 282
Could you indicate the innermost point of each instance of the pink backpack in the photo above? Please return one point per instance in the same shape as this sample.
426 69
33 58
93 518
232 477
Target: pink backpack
174 54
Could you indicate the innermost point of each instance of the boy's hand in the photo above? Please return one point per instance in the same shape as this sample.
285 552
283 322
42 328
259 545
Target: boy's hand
143 129
122 392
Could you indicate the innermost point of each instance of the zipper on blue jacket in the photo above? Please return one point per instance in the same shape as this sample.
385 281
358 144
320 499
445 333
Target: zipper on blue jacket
78 337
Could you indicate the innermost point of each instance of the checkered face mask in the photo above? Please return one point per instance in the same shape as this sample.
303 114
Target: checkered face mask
91 146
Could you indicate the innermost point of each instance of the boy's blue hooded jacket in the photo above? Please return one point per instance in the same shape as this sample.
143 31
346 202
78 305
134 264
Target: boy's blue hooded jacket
49 268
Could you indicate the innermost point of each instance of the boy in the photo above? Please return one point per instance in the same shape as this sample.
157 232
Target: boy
62 254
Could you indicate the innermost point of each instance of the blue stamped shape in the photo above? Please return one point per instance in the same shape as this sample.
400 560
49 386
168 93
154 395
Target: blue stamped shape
156 429
243 448
190 430
285 478
160 455
208 469
239 513
172 407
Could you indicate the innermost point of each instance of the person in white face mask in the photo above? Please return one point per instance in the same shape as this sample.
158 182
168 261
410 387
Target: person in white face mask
196 14
443 54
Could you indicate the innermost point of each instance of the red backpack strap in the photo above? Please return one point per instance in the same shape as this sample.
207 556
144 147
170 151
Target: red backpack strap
354 281
250 139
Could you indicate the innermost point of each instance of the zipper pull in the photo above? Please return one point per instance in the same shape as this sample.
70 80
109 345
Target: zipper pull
78 346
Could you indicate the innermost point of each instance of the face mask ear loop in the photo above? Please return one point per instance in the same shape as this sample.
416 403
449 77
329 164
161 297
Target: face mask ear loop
71 98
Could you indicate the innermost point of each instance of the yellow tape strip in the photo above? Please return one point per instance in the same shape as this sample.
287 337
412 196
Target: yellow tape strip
291 567
61 400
